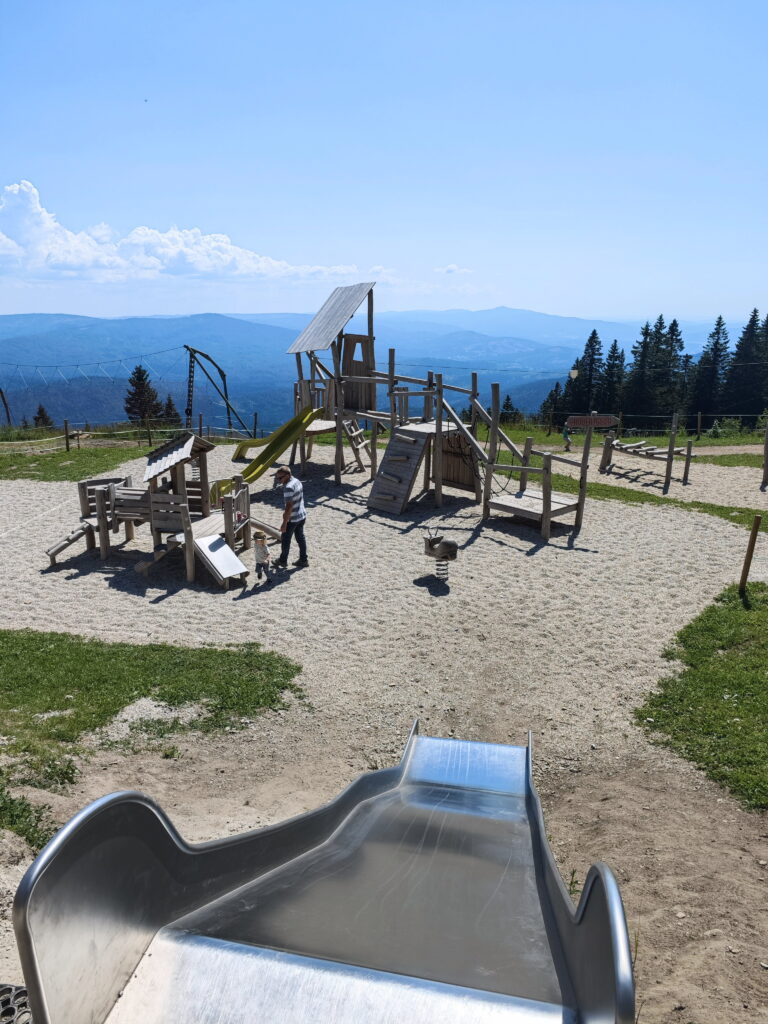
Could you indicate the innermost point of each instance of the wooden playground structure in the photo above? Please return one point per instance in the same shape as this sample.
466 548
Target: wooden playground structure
657 453
177 508
425 430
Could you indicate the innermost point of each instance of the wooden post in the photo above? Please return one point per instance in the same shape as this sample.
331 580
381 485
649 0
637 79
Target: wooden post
526 462
546 496
305 399
437 455
583 479
750 551
620 425
149 431
229 520
255 425
474 397
764 483
66 434
605 461
199 424
670 454
374 448
493 445
428 398
102 518
688 453
392 400
698 426
339 402
205 487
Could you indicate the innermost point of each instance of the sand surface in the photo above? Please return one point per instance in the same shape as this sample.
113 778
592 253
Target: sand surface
562 638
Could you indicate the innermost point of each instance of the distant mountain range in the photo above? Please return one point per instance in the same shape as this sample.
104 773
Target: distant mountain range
78 366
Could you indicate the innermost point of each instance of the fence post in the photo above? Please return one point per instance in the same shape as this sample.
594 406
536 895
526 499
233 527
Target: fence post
66 434
698 426
750 551
200 424
255 424
670 454
149 431
605 461
688 453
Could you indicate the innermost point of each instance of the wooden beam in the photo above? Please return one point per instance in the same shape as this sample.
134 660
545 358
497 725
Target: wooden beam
339 402
670 455
526 462
392 399
583 479
688 456
546 497
437 457
473 444
493 446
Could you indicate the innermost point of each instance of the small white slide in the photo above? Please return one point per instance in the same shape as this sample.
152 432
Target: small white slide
219 559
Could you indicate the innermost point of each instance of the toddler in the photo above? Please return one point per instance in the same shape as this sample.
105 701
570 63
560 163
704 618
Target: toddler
262 555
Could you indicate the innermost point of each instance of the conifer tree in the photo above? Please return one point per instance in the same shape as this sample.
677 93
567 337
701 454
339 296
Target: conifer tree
141 401
709 374
667 360
171 413
551 410
590 379
613 380
41 417
637 391
744 392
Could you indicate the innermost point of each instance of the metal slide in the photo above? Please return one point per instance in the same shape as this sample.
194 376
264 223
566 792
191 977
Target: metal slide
423 893
274 445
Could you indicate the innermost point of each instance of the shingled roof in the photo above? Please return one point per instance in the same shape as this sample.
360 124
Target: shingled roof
183 448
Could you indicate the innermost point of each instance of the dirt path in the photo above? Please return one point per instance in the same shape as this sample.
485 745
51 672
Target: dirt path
564 639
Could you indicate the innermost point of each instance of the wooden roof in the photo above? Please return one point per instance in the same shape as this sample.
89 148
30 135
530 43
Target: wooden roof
332 317
183 448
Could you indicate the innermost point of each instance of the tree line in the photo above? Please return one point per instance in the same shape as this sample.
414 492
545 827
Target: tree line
660 379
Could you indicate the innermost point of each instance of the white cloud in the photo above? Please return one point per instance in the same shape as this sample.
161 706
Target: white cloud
452 268
33 243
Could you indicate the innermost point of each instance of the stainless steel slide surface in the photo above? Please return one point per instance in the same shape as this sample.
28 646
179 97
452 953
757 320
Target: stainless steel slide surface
425 892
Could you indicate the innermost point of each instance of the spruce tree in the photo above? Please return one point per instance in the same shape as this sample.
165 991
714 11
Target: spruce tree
637 390
744 392
551 408
591 373
41 417
613 380
667 376
171 413
141 401
709 374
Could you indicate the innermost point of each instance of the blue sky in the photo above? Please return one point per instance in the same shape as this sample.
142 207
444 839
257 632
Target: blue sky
575 156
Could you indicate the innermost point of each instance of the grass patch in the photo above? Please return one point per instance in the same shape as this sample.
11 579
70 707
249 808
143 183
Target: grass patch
715 712
55 687
752 460
18 815
77 464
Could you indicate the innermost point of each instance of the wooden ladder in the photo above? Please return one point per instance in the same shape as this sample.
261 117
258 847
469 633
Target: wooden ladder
357 441
394 483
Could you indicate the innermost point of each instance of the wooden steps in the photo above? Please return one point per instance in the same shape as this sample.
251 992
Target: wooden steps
399 469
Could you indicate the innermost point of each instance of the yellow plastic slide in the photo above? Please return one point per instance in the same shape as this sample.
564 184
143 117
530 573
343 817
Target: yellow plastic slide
272 448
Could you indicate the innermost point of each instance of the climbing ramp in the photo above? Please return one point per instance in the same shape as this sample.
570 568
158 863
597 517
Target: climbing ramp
423 893
399 468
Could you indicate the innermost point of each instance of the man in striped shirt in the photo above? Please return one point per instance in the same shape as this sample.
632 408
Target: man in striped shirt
294 517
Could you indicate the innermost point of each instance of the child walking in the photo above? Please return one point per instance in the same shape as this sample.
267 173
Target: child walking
262 556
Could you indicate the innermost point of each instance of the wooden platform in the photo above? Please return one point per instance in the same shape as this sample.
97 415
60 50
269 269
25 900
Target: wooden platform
529 504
